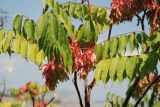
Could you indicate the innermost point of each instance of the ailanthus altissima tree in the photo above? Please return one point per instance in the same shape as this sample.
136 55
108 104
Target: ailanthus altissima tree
77 52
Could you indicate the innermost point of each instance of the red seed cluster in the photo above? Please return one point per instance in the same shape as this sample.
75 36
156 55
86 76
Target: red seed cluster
124 10
83 60
27 88
143 83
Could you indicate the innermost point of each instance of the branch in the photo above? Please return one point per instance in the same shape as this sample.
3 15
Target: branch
87 94
89 6
154 20
141 20
92 83
49 101
33 100
130 91
77 89
110 31
153 82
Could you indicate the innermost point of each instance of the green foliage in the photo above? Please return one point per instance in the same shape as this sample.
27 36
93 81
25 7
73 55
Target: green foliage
13 92
94 25
115 101
117 46
125 67
19 45
87 32
80 11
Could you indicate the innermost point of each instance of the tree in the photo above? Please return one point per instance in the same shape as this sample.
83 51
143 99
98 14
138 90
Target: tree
76 51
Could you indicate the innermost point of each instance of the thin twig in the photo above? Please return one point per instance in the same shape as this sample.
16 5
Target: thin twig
77 89
110 31
142 21
130 91
145 92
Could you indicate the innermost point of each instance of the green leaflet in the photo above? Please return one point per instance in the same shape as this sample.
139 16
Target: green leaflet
17 23
113 46
40 57
16 44
32 52
23 49
72 9
131 64
113 68
105 50
98 71
79 11
132 42
80 34
105 69
121 68
142 39
8 41
152 61
97 51
2 35
87 32
123 41
41 27
29 28
143 67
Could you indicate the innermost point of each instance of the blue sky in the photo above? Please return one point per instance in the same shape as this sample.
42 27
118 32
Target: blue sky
26 71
